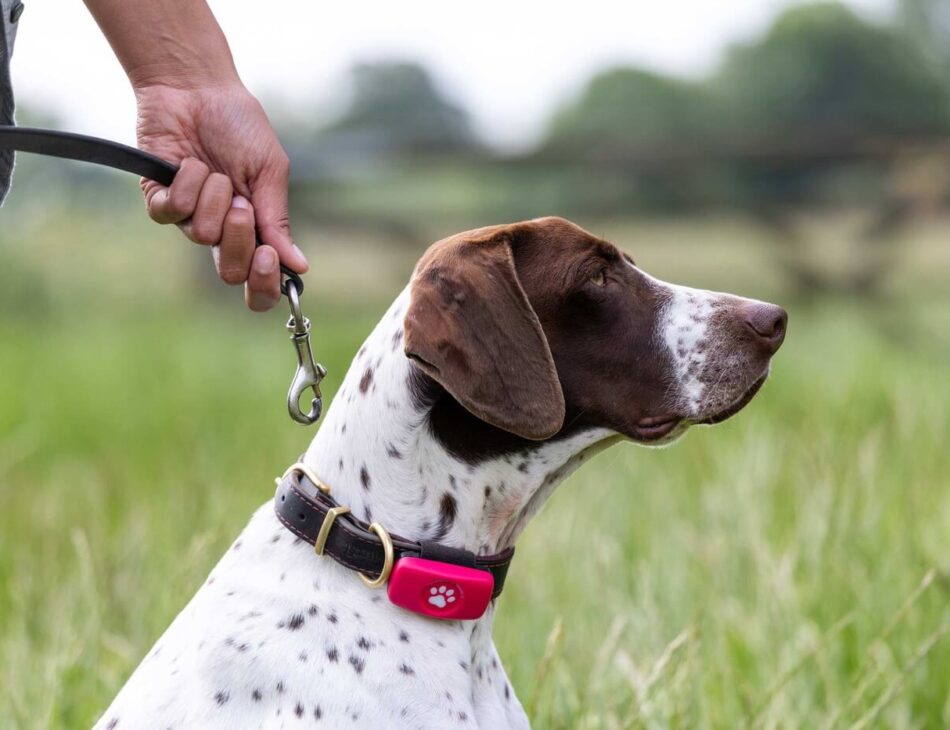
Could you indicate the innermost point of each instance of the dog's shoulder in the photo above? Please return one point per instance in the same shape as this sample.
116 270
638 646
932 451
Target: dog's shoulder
268 637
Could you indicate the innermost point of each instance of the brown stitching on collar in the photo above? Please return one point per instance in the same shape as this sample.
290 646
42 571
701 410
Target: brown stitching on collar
354 535
304 537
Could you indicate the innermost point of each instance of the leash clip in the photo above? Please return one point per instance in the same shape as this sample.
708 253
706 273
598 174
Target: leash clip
309 373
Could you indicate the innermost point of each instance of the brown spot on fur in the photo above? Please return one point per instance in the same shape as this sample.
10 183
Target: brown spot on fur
448 508
366 380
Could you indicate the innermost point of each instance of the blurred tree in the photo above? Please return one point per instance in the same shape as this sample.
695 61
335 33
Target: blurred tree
395 127
822 73
820 110
397 108
625 110
815 111
638 127
927 23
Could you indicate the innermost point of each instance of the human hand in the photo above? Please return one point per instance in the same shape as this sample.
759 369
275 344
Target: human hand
233 178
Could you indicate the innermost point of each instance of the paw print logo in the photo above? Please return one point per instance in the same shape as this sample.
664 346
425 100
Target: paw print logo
441 596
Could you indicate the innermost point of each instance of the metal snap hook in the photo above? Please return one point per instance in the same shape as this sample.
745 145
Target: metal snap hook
309 373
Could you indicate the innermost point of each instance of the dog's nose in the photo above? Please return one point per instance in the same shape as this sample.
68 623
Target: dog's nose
767 322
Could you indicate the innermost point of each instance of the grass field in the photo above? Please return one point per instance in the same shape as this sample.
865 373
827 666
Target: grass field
788 569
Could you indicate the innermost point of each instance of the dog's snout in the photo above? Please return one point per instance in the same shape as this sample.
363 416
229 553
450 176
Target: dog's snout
767 322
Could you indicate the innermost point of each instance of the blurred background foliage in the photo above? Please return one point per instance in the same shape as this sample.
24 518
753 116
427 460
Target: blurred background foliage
827 111
789 571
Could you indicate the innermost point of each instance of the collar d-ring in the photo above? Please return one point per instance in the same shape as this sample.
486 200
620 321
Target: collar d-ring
386 540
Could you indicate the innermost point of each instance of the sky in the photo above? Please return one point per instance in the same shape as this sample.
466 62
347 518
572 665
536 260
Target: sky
510 62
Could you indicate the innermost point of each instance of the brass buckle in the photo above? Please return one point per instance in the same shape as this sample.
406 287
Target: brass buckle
387 558
324 533
320 543
307 472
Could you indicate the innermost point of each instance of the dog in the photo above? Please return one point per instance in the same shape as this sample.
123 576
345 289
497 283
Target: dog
515 353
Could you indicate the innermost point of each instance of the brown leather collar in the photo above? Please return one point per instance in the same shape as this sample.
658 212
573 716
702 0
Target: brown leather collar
303 507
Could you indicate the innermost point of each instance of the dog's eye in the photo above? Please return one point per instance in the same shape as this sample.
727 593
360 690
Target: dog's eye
599 278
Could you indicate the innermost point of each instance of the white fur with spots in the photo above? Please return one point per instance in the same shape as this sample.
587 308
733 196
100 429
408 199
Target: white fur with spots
685 328
280 638
711 370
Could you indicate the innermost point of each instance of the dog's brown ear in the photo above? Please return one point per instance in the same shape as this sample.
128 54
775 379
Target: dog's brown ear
471 327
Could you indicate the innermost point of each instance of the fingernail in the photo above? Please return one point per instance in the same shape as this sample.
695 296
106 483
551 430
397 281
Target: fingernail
257 302
265 261
239 201
300 256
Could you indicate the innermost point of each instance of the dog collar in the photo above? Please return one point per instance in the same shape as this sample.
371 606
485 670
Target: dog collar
420 576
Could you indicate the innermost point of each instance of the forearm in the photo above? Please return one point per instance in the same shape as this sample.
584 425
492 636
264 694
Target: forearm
166 42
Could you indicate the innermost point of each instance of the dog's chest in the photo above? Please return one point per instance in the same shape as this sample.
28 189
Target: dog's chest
277 637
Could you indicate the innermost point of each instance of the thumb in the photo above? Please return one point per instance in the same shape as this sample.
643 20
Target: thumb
269 198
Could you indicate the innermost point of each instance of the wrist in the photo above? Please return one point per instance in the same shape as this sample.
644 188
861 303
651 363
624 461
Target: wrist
183 76
173 43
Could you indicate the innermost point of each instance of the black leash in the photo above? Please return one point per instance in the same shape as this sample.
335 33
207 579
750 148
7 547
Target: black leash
82 148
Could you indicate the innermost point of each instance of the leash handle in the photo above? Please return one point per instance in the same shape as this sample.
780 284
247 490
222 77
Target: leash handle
80 147
70 146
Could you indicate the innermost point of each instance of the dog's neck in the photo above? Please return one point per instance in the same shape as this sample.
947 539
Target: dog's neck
378 452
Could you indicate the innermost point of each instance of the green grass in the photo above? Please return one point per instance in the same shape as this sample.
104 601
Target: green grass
790 568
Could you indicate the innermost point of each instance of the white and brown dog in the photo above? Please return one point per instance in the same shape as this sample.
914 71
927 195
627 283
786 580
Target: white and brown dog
515 353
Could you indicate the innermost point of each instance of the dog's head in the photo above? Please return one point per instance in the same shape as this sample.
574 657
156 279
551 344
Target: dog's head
538 327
